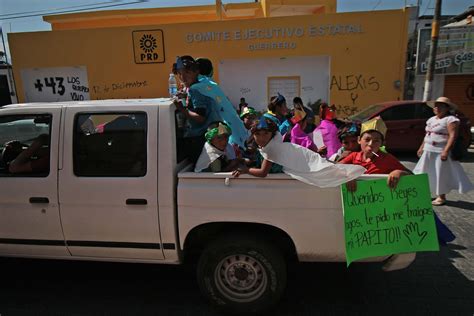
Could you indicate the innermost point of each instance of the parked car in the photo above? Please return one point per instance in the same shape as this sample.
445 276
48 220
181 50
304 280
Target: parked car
405 122
125 195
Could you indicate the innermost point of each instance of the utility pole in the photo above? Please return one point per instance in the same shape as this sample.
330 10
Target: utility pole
427 94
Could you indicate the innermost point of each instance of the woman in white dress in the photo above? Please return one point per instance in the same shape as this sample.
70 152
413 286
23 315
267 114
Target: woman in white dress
444 173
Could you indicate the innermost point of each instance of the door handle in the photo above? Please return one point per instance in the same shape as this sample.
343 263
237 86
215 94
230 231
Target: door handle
137 202
39 200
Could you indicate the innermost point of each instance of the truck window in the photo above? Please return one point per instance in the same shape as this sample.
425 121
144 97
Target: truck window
24 145
110 144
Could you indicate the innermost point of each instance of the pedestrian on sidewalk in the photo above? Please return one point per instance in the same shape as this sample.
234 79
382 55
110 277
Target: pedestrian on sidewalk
445 174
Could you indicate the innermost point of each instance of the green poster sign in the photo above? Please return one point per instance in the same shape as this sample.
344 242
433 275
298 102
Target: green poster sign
380 221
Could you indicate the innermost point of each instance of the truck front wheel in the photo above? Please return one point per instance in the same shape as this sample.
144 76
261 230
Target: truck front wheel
242 274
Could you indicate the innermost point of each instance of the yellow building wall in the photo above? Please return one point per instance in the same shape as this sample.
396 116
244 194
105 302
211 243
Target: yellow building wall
365 64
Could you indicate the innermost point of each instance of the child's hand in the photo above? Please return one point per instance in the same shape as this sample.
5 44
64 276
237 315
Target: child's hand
444 155
179 105
351 186
345 153
323 150
181 95
239 171
419 152
393 178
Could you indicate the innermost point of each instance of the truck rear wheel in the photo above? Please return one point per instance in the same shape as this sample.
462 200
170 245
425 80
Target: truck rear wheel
242 274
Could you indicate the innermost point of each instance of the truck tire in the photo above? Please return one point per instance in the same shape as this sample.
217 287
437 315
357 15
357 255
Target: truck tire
239 274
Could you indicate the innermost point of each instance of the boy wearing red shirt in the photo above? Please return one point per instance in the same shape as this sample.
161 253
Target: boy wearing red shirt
371 158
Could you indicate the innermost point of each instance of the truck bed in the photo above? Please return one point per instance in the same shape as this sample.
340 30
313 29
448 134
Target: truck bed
312 217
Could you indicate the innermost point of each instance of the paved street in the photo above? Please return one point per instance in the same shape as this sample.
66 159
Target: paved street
436 284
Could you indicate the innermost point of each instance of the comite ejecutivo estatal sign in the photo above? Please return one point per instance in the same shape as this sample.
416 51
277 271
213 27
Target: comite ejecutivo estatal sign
148 46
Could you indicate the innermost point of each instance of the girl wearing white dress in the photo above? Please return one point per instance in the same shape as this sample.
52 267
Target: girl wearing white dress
445 174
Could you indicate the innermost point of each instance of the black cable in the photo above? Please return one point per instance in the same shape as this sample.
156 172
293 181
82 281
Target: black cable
74 11
427 7
55 9
376 5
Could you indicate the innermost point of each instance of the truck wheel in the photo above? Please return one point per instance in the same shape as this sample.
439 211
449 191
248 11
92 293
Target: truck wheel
242 274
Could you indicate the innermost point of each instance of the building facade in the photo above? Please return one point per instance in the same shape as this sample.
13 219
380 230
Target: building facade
298 48
454 69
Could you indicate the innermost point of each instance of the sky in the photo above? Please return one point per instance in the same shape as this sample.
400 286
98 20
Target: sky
26 15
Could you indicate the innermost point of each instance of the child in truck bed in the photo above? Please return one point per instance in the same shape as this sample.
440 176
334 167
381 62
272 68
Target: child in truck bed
263 131
299 135
371 158
217 155
298 162
349 137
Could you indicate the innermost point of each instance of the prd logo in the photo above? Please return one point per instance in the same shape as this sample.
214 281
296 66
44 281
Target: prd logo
148 46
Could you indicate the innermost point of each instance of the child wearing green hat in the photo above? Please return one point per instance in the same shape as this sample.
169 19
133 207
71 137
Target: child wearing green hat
248 116
217 155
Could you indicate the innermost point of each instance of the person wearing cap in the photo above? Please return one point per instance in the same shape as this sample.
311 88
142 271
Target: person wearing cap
370 157
444 173
217 154
263 131
248 116
277 111
298 134
199 111
349 137
298 104
328 128
205 86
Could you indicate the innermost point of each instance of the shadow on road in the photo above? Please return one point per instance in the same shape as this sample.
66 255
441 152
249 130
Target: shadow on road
461 204
432 285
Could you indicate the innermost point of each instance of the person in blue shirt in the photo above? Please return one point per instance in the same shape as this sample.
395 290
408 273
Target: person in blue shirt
208 87
199 110
277 111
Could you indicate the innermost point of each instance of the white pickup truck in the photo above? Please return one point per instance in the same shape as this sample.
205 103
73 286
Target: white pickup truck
115 189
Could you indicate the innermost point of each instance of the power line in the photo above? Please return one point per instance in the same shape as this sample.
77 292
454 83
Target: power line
376 5
74 11
427 7
55 9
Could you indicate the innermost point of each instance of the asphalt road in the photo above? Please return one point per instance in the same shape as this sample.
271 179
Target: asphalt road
438 283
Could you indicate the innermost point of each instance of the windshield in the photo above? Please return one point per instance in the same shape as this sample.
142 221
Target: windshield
366 113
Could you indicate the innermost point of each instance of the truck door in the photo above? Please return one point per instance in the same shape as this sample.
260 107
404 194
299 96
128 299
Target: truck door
108 183
29 211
